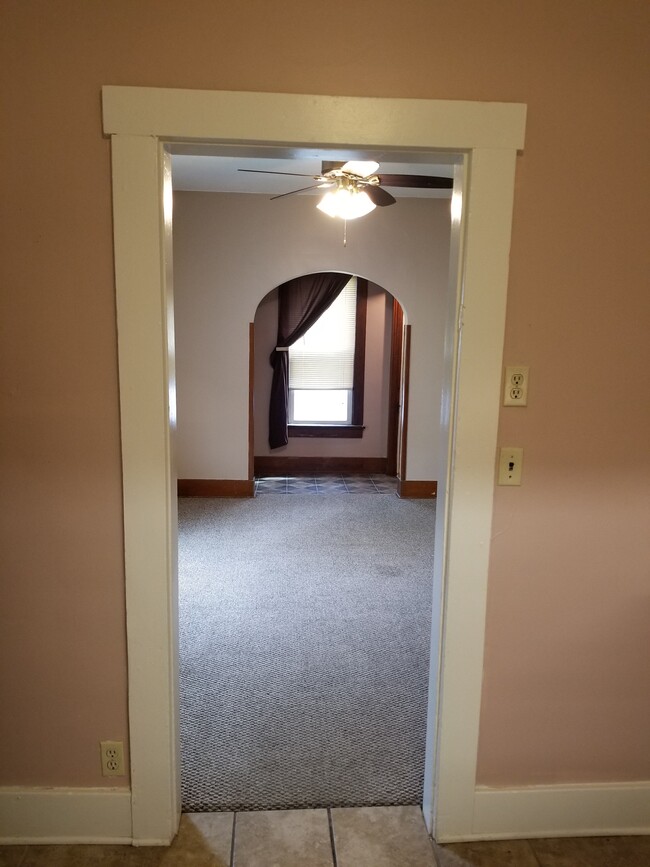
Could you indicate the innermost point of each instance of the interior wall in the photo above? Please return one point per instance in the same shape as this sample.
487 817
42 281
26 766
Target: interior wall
566 650
231 249
377 367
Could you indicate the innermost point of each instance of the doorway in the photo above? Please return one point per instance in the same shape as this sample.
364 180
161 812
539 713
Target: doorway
487 136
335 652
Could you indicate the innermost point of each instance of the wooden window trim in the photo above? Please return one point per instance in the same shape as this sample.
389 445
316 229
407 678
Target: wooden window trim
354 430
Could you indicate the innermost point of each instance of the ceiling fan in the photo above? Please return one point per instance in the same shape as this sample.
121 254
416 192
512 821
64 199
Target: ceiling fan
354 187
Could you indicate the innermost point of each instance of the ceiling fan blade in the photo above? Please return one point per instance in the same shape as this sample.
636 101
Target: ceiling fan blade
320 186
264 172
378 196
424 182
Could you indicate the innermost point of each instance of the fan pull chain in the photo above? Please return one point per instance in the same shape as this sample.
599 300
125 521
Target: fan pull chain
345 233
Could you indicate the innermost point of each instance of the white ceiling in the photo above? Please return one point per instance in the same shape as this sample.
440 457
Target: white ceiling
220 173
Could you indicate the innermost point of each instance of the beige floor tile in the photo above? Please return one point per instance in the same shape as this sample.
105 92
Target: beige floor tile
11 856
381 837
593 852
203 840
76 856
495 853
446 858
283 838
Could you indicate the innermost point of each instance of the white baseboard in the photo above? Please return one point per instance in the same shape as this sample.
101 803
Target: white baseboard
44 815
580 810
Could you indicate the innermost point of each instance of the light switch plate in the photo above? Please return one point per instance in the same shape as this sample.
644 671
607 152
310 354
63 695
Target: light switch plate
510 462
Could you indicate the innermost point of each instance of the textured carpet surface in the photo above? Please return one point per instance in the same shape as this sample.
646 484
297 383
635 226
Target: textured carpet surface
304 646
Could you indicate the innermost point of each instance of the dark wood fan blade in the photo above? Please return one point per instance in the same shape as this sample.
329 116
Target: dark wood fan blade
424 182
263 172
378 196
301 190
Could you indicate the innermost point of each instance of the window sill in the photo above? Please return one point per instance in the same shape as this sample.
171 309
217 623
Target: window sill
349 431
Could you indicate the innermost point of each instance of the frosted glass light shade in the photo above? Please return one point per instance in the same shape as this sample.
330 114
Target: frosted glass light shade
363 168
346 203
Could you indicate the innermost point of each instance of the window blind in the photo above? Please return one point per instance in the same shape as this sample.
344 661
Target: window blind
324 357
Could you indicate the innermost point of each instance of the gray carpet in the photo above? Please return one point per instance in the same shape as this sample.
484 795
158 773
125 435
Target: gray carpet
304 640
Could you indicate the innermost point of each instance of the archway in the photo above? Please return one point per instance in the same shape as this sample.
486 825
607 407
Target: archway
370 443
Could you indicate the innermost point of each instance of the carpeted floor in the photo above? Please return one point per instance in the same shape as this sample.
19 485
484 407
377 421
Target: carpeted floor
304 641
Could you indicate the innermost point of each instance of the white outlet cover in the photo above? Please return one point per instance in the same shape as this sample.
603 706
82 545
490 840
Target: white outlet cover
515 386
112 754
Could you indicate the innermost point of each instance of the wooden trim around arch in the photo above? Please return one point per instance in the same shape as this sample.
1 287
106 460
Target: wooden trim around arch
394 388
404 411
251 400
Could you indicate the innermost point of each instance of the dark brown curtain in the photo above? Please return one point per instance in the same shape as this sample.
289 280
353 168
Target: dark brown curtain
301 302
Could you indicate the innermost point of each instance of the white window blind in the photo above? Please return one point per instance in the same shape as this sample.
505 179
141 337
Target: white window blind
324 357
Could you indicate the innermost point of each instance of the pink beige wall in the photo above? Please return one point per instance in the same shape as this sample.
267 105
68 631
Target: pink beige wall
566 673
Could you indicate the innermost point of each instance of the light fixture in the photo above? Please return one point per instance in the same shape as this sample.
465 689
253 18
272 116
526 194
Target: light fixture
347 202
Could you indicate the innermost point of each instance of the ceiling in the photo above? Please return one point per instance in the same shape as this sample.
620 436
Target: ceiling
220 172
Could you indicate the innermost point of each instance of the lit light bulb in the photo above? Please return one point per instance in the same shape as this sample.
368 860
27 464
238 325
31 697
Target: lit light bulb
346 203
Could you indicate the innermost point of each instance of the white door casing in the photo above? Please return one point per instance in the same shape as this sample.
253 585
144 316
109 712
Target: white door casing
142 123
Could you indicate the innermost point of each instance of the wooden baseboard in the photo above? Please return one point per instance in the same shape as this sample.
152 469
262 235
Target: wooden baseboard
417 490
290 466
216 488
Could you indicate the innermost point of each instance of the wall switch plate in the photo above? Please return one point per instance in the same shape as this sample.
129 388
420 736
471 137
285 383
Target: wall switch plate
112 753
510 461
515 388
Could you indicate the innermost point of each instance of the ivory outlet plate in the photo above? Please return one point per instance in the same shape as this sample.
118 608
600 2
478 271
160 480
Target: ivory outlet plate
510 461
112 753
515 387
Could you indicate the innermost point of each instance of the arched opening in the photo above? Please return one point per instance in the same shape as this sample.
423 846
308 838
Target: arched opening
364 442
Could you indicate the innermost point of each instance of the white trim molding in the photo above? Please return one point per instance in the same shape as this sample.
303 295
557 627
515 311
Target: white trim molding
483 140
57 815
580 810
291 118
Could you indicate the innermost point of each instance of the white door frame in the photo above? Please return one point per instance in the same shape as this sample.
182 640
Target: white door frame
142 121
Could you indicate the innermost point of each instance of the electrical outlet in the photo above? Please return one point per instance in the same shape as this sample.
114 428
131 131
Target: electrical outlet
510 461
515 388
112 753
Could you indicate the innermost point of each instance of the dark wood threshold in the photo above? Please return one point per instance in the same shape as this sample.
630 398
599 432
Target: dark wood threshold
343 431
216 488
417 490
295 466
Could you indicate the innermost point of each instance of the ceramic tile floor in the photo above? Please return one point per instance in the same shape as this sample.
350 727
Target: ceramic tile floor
345 837
343 484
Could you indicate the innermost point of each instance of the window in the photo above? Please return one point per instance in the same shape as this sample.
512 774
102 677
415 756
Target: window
326 369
